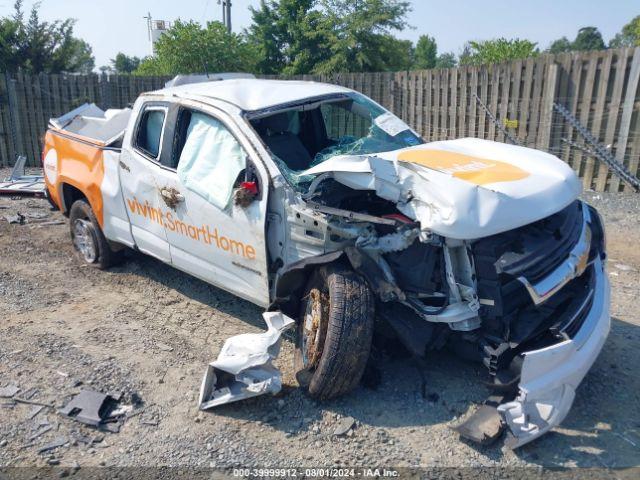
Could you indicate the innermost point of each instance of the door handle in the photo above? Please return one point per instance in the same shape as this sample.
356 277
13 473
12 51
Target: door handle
171 197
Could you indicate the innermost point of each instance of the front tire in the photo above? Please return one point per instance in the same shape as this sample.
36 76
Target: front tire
88 239
335 331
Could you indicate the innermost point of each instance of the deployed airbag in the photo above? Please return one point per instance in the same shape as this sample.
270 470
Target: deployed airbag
211 160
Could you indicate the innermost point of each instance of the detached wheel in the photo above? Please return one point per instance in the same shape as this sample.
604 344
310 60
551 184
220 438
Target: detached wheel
88 239
334 332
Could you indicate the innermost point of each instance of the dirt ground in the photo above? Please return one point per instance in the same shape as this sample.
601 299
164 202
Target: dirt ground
149 331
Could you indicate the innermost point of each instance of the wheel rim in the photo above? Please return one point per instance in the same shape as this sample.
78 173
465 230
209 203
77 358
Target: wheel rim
83 240
314 328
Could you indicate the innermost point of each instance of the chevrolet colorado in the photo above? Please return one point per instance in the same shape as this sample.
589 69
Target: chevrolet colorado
314 200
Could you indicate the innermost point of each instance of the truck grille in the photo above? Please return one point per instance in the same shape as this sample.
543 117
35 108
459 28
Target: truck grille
532 251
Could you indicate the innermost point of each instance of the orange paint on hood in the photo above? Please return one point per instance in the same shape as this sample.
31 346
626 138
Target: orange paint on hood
480 171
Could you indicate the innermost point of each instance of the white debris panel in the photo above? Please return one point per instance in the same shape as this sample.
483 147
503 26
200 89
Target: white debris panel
243 368
462 189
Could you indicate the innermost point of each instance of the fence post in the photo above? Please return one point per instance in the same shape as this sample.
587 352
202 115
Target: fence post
627 112
14 117
546 109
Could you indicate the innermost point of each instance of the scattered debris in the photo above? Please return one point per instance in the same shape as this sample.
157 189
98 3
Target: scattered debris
36 215
18 218
21 183
32 402
243 368
34 411
58 442
9 391
46 224
344 426
40 432
164 347
623 267
484 427
95 409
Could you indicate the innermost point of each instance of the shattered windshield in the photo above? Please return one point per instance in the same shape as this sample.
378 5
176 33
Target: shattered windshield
306 135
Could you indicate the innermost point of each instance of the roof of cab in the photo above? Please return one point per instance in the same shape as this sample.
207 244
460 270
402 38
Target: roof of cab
255 94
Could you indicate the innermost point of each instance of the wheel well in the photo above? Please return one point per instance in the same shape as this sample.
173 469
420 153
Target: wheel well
293 280
69 195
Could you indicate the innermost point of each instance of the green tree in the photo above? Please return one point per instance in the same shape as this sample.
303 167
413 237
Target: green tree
35 46
359 34
124 64
588 38
629 36
464 57
288 36
497 51
561 45
446 60
426 52
188 47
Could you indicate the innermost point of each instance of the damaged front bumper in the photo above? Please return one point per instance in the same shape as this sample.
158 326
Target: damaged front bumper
550 375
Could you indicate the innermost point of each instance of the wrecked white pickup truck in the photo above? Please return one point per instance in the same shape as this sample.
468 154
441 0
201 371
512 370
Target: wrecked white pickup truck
314 200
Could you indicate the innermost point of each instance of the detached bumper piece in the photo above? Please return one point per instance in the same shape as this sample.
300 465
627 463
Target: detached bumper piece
243 368
550 375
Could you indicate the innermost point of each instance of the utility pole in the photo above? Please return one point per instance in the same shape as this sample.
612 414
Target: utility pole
226 13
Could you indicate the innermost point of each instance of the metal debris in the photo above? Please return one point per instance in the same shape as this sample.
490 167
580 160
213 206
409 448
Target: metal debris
58 442
243 368
17 218
9 391
93 408
344 426
21 183
34 411
484 427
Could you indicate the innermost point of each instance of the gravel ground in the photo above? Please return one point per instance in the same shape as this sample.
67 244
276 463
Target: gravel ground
148 331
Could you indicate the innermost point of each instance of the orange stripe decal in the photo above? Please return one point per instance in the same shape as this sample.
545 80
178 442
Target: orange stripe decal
480 171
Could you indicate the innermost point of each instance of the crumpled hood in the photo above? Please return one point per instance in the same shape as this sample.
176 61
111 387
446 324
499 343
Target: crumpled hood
463 189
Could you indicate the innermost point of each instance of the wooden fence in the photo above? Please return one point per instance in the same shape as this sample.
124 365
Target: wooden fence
599 88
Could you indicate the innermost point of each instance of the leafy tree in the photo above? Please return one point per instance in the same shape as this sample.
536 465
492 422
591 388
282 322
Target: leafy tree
326 36
629 36
35 46
588 38
465 56
124 63
187 47
359 34
288 36
426 52
496 51
446 60
561 45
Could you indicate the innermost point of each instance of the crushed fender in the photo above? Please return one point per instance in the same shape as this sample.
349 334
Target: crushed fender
243 368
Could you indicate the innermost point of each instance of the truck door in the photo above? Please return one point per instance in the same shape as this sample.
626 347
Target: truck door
139 170
209 235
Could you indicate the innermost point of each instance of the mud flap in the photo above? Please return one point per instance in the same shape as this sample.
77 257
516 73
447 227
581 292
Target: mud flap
485 426
243 368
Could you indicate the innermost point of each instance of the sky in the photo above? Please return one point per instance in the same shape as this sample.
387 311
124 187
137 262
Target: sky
112 26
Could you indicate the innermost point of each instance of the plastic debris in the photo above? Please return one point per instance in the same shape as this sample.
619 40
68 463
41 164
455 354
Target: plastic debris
243 368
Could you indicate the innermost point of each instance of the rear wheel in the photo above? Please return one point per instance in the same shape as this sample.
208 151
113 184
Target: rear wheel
88 239
334 332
